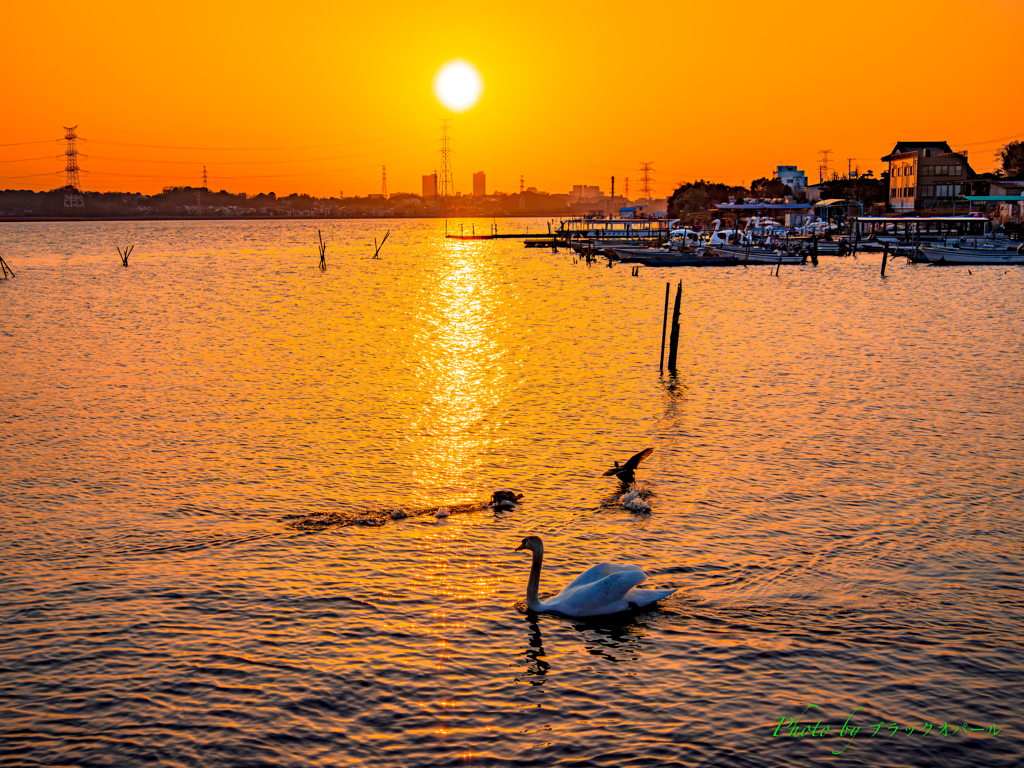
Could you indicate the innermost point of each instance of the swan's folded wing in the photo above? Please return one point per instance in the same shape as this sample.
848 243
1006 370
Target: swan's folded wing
600 597
598 572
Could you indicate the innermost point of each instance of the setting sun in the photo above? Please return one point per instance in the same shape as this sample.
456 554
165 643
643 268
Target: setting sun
458 85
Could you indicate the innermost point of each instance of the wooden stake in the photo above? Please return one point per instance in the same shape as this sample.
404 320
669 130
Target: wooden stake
885 256
673 347
376 253
664 322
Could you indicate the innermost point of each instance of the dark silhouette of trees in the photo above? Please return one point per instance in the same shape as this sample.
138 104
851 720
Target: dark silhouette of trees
700 196
769 188
1012 156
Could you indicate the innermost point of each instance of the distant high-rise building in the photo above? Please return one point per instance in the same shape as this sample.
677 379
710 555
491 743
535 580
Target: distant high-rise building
479 185
429 187
583 192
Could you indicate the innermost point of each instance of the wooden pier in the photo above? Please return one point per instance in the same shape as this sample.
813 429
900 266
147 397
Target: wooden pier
520 236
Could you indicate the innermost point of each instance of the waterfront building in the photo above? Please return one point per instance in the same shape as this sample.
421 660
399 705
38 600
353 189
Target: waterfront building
479 185
926 174
791 177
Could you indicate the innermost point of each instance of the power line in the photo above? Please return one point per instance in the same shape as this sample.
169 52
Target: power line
26 143
990 141
252 162
27 159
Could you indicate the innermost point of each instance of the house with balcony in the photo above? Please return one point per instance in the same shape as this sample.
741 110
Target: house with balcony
927 174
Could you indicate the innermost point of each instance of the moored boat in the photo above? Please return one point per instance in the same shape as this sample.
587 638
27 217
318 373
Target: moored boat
664 257
744 255
968 256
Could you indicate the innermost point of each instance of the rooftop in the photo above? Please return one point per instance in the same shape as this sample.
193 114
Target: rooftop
911 146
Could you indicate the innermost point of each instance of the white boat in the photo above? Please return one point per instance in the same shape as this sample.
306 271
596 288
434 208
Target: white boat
746 256
968 256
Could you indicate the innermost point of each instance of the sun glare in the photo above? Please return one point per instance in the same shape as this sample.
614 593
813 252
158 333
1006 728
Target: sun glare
458 85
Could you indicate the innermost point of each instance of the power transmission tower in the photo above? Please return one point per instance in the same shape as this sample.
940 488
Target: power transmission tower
625 194
384 182
823 167
645 180
522 198
199 194
72 189
447 185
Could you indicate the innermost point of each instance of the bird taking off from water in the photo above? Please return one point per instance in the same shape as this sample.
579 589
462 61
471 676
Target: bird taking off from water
625 472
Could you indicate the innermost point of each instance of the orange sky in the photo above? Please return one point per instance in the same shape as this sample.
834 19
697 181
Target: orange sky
316 96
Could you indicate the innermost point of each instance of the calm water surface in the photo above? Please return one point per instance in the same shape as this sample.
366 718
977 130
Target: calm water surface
836 489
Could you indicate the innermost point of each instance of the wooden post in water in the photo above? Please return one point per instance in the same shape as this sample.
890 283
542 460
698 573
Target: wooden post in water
814 250
885 257
673 345
323 250
664 322
376 252
7 269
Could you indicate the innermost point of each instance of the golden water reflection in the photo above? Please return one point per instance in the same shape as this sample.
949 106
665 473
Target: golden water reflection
458 349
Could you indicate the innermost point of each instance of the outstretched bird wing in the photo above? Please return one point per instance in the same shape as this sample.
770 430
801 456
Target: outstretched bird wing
634 462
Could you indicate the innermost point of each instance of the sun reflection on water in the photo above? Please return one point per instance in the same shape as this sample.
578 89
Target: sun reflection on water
459 349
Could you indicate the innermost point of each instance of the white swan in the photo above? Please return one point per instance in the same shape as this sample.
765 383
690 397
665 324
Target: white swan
603 589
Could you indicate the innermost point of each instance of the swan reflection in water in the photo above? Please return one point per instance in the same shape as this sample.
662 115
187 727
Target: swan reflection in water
618 639
536 666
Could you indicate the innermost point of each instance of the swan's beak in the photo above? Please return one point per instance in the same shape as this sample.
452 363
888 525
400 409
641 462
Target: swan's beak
519 547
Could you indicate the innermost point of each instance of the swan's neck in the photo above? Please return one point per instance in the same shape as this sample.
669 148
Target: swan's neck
532 601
